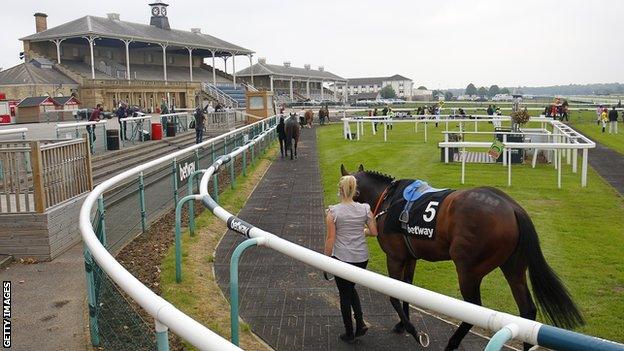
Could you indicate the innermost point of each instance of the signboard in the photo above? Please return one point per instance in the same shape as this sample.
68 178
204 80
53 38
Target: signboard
496 149
185 169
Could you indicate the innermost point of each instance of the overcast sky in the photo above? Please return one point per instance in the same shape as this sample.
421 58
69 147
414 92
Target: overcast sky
439 44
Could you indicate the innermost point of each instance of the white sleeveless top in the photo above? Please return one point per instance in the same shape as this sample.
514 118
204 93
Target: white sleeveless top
350 220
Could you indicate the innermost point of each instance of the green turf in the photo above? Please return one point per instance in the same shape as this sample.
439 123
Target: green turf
581 230
585 122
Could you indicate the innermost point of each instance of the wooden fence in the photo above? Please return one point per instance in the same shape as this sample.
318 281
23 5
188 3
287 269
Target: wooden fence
37 175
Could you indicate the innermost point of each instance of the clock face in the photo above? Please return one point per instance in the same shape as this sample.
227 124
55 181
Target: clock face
163 11
155 11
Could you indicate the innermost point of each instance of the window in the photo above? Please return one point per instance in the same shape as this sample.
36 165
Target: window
170 60
149 58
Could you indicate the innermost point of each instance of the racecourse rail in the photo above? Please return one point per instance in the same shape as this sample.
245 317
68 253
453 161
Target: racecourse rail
167 316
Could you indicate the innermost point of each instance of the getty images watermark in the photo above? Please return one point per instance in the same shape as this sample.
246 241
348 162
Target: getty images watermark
6 314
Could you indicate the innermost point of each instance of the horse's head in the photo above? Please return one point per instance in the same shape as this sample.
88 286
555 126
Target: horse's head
370 184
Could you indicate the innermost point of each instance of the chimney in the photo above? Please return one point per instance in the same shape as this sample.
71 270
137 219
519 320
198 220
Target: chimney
307 66
113 16
41 22
321 68
159 15
196 30
262 60
286 63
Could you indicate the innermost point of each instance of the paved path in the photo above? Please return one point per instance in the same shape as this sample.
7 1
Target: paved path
287 303
609 164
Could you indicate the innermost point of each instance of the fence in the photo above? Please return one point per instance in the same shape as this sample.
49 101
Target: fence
15 131
134 199
90 128
40 174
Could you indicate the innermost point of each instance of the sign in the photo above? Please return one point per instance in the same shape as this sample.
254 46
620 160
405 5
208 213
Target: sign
496 149
185 169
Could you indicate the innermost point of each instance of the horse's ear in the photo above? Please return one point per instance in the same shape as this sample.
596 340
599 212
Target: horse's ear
361 168
343 170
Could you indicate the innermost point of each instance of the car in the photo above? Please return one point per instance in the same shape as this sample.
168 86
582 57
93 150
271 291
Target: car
85 113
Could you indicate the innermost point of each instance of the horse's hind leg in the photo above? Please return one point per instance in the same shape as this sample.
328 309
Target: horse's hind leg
470 286
296 142
408 277
516 277
396 270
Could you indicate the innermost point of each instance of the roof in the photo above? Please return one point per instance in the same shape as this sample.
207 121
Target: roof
375 80
265 69
62 100
112 28
32 73
35 101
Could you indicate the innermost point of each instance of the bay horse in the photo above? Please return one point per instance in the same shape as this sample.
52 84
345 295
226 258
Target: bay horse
323 113
479 229
292 129
309 117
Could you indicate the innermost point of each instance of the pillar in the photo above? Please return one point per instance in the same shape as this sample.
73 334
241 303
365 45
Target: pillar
164 50
58 49
322 93
271 82
127 43
190 51
292 95
214 70
91 41
234 68
335 91
225 64
308 88
251 68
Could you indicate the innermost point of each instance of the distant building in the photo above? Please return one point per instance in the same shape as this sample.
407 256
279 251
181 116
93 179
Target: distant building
402 86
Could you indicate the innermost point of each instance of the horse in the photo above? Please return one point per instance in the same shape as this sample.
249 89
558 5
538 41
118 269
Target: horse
292 131
309 117
479 229
323 113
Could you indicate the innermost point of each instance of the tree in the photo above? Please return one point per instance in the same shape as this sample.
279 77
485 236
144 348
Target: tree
494 90
448 95
482 92
505 91
387 92
422 87
471 89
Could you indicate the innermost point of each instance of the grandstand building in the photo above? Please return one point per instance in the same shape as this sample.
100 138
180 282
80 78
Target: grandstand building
107 60
292 84
402 86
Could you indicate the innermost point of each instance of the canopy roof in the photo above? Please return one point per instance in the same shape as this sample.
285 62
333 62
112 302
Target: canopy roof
265 69
117 29
33 73
376 80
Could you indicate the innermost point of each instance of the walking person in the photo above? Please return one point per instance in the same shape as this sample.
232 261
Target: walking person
613 115
604 119
281 135
122 112
94 117
348 224
200 119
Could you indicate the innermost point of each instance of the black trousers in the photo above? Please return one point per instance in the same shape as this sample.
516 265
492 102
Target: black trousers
350 301
282 143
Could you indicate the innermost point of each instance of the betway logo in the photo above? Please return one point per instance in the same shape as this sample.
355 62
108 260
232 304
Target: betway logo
186 170
416 230
239 226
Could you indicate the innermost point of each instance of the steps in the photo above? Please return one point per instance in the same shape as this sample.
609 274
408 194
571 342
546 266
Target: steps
236 92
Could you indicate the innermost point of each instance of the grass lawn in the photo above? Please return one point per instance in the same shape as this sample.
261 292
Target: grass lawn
581 230
585 122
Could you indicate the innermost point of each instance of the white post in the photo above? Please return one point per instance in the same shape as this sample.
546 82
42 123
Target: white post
271 79
214 70
251 68
164 50
335 91
476 128
568 156
58 49
225 64
373 127
446 150
357 126
292 96
463 175
127 43
322 94
385 132
190 51
584 169
234 68
559 169
91 41
308 88
426 132
574 160
509 168
504 153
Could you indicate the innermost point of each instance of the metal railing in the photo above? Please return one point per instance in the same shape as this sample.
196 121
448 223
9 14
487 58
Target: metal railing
14 131
90 128
219 95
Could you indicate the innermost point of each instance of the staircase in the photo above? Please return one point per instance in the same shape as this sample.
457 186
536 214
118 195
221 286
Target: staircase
227 94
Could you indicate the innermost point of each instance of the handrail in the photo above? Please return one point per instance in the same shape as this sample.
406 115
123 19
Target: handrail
162 311
137 118
13 131
79 124
61 143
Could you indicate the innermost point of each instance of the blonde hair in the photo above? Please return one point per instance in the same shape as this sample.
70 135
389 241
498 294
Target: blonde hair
348 187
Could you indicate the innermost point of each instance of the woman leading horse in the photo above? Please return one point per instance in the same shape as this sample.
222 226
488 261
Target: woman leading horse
479 229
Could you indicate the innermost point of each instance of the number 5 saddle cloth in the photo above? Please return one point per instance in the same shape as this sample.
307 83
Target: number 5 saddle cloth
413 208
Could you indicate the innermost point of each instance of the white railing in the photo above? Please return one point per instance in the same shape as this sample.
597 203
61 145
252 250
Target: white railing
220 96
15 131
164 313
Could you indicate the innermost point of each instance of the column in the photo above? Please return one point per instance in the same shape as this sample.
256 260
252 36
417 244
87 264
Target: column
308 88
214 70
335 91
91 41
251 68
127 42
322 93
271 80
234 68
292 95
164 49
190 51
225 64
58 49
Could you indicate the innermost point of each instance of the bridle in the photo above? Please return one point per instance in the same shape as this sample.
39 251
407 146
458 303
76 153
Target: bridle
380 200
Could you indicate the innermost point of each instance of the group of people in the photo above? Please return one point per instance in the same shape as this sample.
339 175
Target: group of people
558 111
604 115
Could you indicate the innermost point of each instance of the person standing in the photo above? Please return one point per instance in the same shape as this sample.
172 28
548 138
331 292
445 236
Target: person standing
200 120
604 119
598 114
95 117
122 112
281 135
613 115
348 224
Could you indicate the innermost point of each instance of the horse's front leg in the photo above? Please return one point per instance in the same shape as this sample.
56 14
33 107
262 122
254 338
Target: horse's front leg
408 277
396 270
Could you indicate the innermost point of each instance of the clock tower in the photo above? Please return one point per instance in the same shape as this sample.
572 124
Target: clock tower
159 15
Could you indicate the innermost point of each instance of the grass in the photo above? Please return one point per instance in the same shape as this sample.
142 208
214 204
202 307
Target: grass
585 122
580 229
198 295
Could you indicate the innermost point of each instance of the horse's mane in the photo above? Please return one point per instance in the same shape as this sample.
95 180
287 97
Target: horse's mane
379 176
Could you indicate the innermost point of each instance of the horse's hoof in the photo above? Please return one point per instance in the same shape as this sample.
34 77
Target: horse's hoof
398 328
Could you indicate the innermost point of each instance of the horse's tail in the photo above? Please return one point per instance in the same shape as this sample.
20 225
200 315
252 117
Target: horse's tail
552 297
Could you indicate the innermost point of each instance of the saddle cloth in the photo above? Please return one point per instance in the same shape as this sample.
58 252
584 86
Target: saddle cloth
414 208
